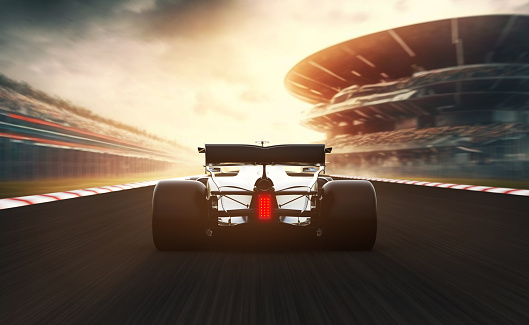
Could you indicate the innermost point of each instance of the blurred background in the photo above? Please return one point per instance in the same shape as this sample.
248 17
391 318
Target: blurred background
447 99
97 93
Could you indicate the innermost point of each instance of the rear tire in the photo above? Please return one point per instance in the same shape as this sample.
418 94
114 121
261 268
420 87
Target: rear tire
179 215
323 180
349 215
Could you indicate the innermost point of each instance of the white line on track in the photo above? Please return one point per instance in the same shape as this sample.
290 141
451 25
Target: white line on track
501 190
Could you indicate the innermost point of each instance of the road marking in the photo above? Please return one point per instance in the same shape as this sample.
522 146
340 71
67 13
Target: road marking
476 188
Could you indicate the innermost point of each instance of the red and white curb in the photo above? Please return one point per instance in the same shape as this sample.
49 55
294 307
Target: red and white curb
500 190
50 197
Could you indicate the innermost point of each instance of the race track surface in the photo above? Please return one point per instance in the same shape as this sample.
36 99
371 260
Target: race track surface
442 257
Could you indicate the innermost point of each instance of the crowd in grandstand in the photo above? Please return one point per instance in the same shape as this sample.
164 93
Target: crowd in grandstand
474 134
13 102
367 93
466 72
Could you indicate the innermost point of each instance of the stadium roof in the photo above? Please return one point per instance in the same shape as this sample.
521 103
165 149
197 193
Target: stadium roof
399 52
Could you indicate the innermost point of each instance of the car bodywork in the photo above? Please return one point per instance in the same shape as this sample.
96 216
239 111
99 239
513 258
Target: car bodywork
263 203
262 191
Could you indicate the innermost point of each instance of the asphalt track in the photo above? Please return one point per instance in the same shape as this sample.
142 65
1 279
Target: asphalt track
442 257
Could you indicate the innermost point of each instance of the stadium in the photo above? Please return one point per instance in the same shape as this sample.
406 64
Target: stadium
447 98
43 137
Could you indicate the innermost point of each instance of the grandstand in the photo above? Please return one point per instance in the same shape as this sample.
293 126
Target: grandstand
45 137
444 98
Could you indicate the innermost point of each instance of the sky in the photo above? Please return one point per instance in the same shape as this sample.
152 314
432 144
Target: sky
197 71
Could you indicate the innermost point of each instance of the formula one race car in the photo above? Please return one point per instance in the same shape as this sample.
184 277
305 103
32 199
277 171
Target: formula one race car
262 194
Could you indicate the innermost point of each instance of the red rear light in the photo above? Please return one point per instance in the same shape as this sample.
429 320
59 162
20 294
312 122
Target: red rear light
264 206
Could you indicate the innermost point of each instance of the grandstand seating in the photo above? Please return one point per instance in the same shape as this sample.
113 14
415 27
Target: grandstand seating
395 100
355 96
13 102
473 134
41 140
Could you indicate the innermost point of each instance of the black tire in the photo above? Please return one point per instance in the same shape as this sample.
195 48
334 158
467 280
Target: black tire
323 180
179 215
349 215
201 179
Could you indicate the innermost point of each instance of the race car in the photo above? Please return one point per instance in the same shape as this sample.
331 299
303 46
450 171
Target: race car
252 189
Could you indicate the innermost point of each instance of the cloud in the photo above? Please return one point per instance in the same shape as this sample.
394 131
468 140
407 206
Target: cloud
168 19
57 16
338 16
210 105
202 103
253 96
182 68
4 64
402 5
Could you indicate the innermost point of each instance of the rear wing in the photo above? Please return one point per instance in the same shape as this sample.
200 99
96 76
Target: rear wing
286 154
